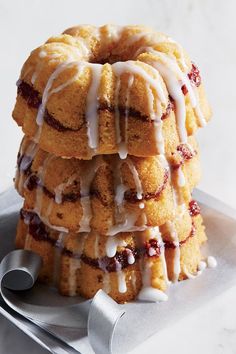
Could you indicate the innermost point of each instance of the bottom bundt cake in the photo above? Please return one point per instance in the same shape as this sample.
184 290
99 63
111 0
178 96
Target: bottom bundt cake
126 266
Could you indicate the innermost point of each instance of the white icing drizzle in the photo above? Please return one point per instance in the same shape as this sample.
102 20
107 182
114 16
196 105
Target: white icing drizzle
92 105
47 223
180 177
117 111
86 178
174 79
155 233
28 156
137 181
132 67
124 221
148 293
211 262
57 257
141 205
122 148
131 258
122 287
62 186
127 226
74 265
39 190
48 92
156 117
111 245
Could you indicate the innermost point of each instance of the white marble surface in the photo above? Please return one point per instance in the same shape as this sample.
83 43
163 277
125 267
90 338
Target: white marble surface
206 28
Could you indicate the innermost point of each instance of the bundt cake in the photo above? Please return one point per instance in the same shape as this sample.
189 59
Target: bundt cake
93 91
105 194
109 161
86 262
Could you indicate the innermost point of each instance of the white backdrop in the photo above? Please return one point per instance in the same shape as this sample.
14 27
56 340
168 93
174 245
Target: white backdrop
206 28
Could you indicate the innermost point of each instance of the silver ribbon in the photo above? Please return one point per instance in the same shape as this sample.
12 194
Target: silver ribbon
99 317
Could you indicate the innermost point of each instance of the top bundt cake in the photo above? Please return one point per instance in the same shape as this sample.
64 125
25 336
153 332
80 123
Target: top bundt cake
110 90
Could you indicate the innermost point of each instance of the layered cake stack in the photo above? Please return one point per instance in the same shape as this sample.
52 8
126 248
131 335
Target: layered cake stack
109 161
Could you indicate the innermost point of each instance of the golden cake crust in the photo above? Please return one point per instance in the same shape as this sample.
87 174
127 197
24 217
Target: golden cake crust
63 191
86 262
132 103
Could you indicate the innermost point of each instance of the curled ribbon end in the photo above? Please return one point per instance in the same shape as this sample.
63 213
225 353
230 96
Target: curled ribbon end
19 270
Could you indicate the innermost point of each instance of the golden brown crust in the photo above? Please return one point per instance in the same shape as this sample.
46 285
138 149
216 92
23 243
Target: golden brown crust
52 186
64 131
71 260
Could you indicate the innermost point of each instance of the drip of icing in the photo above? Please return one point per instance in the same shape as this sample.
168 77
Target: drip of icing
141 205
122 149
25 162
181 178
86 178
148 293
127 226
47 223
61 187
47 93
131 259
131 67
39 190
211 262
121 282
117 112
174 79
156 234
92 105
124 222
74 265
112 244
57 257
174 235
156 117
137 181
122 287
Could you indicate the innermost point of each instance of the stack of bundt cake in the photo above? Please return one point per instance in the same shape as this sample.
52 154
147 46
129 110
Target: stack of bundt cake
109 161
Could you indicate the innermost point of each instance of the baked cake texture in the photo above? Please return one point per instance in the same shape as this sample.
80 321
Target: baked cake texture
110 90
109 161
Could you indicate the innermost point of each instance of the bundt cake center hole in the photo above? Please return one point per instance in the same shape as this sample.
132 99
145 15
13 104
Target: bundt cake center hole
111 59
